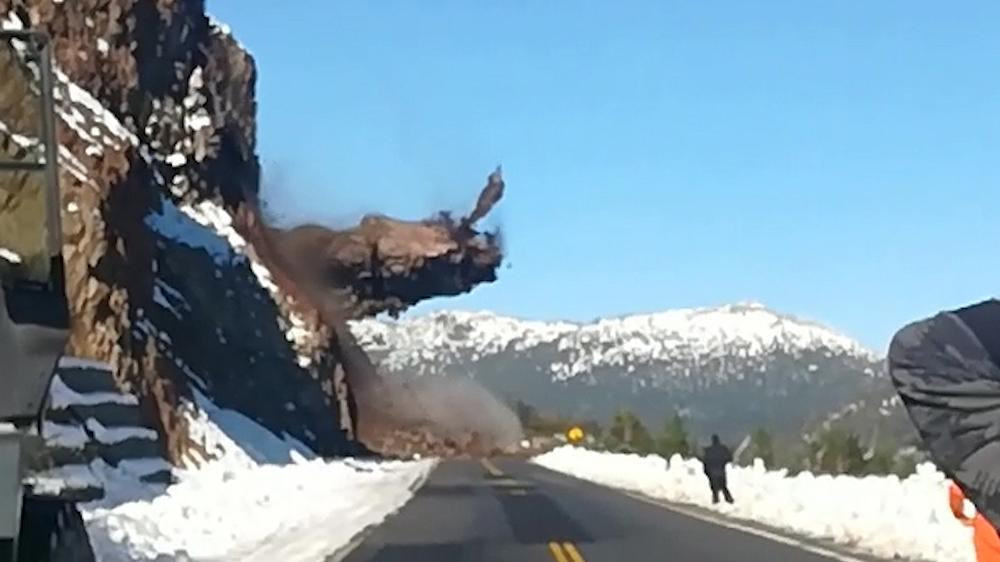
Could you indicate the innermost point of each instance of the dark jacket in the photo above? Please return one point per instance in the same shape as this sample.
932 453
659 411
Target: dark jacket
947 372
715 459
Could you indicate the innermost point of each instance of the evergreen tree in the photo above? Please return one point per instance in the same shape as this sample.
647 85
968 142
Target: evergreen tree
526 413
854 461
675 438
882 461
838 452
762 446
627 433
904 465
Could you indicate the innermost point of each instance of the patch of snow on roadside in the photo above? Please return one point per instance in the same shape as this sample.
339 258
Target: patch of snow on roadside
303 511
259 498
882 515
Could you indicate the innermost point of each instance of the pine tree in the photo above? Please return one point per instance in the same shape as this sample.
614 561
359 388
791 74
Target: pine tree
854 461
904 466
882 461
627 433
674 439
526 413
839 452
643 441
762 446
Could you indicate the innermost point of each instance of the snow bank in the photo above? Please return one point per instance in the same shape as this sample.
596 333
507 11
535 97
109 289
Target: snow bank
254 497
882 515
301 511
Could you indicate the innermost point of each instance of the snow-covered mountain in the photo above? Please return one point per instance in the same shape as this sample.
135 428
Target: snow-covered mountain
729 368
678 338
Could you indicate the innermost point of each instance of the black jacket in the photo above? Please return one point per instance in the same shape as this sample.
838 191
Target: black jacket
947 371
715 459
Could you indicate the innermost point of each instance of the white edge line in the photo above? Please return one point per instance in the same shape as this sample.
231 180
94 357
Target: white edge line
725 522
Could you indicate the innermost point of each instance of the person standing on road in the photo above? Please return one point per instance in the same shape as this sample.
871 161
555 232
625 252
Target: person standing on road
715 459
984 536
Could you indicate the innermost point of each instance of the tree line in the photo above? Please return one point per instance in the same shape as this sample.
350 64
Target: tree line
831 450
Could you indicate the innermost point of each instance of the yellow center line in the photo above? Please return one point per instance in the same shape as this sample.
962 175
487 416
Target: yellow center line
574 554
491 468
565 552
557 552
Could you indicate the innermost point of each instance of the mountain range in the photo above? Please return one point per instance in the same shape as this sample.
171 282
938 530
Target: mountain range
727 369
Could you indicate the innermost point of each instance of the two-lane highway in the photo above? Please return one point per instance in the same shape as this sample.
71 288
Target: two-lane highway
515 511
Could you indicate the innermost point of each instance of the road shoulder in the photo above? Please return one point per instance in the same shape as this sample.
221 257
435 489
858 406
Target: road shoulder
344 551
823 547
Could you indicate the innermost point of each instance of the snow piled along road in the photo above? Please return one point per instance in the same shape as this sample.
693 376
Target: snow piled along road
304 511
260 498
882 515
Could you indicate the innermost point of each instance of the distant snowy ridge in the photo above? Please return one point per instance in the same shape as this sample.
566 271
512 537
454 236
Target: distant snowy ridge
685 336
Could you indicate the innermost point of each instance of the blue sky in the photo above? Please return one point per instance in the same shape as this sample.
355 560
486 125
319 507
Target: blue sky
834 160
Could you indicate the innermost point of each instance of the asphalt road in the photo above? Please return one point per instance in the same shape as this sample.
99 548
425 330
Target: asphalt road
510 510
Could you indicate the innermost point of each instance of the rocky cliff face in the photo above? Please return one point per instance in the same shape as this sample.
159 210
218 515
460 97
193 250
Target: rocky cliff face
155 110
174 279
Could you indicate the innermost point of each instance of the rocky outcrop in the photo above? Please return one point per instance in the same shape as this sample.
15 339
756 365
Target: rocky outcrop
388 265
173 277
